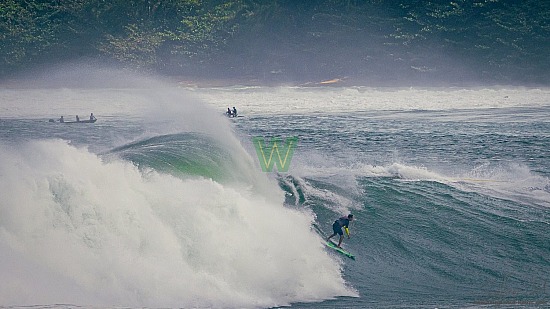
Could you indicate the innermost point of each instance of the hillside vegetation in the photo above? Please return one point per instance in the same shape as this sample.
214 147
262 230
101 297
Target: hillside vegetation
387 42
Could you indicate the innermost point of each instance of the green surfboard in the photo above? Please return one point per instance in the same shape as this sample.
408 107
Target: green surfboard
332 245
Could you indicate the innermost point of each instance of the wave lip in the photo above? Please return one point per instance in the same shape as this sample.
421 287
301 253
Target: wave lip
184 154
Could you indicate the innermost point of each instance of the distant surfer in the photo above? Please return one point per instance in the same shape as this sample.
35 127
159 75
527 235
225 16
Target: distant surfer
229 113
92 117
77 118
61 119
234 112
343 222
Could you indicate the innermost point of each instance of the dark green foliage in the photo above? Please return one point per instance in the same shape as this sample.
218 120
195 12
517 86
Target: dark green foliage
506 38
370 40
143 34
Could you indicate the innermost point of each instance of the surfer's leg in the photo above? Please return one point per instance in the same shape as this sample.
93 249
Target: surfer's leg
340 241
338 230
335 227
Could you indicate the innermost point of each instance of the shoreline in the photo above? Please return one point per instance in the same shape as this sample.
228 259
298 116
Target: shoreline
92 80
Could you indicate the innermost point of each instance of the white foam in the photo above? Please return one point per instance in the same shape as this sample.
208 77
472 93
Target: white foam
291 100
260 100
511 181
120 237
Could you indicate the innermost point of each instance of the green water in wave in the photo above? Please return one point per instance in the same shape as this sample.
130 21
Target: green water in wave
182 155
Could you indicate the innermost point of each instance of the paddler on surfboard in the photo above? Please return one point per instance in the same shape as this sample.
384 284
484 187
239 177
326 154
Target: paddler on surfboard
343 222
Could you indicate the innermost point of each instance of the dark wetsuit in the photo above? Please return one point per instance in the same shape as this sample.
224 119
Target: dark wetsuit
339 224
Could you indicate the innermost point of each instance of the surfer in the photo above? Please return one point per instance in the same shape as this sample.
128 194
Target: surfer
343 222
229 113
61 119
234 112
92 117
77 118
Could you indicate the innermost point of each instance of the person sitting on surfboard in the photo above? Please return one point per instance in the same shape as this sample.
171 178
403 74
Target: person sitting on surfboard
343 222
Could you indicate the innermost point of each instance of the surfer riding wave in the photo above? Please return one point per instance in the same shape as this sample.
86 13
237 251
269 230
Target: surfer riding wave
343 222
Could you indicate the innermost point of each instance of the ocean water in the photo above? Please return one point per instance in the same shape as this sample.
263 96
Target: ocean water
162 202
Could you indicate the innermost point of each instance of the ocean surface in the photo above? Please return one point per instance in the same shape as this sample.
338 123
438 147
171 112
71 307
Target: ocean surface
162 202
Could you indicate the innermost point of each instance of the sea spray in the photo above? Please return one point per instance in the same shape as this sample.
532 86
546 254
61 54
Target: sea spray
124 237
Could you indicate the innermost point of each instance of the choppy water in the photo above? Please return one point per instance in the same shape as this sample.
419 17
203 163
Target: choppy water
162 202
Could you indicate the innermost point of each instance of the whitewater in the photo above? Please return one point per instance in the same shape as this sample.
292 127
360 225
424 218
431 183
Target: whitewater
162 202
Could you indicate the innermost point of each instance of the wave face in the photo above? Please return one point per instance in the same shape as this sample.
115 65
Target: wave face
452 208
119 236
436 242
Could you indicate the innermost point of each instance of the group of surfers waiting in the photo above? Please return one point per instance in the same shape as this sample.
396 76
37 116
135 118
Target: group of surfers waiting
231 113
92 118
